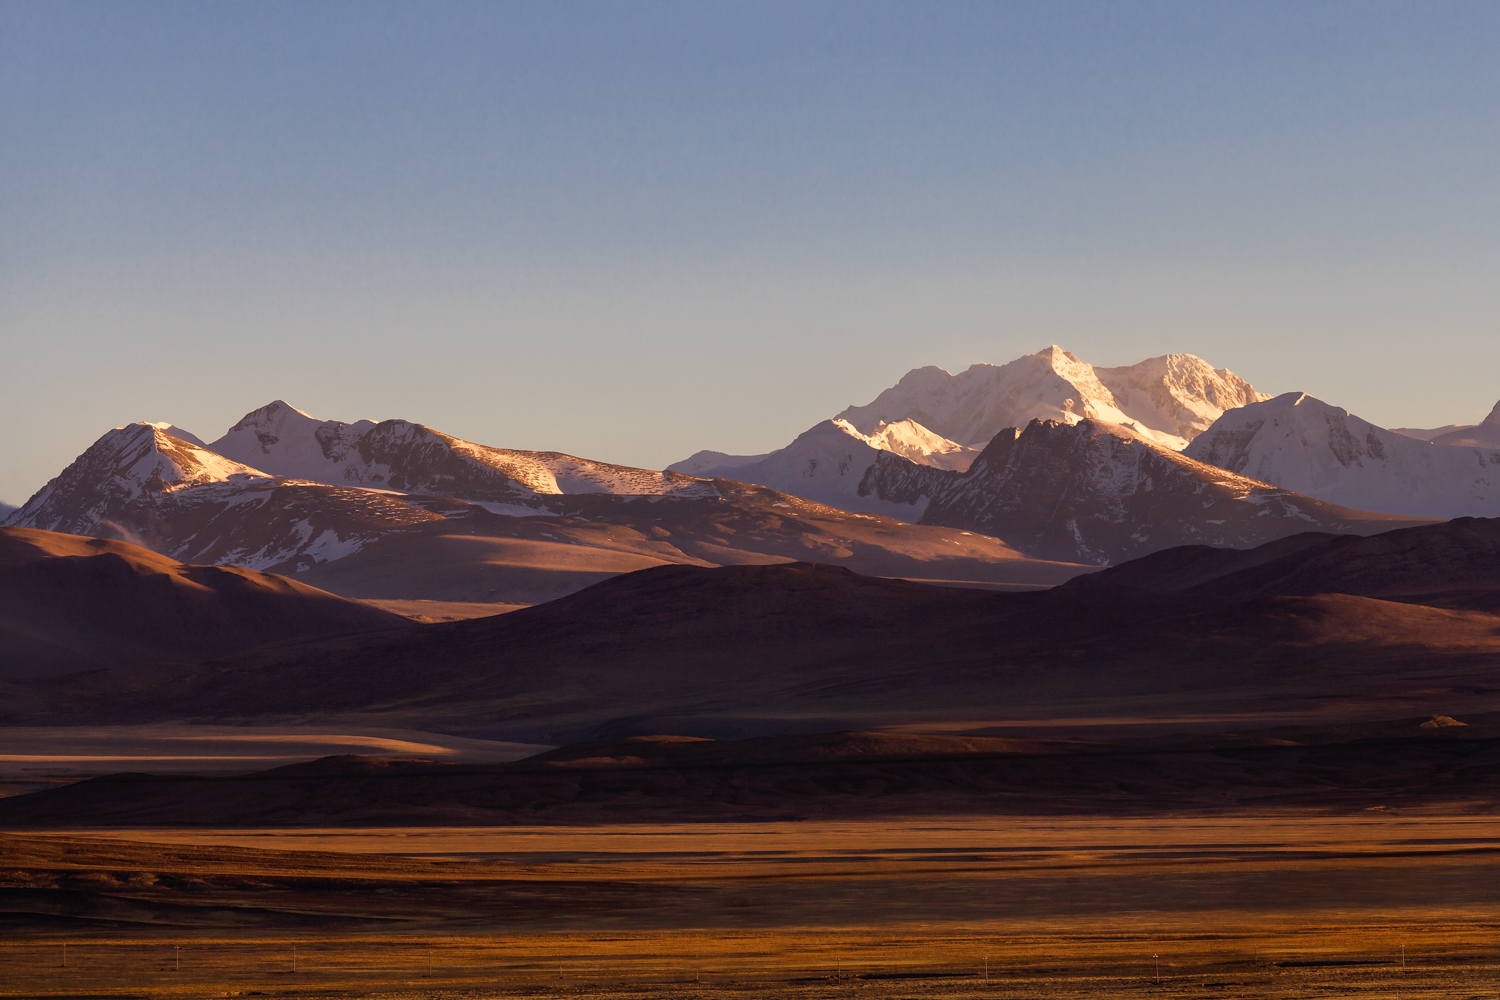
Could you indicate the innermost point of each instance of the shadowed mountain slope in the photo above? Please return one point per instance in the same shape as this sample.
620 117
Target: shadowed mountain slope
1453 563
754 650
73 603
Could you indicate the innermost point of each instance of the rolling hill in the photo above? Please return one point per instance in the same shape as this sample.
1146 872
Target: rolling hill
69 603
799 648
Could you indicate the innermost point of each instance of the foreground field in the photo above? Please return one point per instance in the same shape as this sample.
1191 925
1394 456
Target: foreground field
1248 905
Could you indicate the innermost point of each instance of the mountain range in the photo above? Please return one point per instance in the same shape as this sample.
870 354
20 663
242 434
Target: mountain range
1306 445
396 510
1015 475
1173 587
934 418
1099 493
1173 403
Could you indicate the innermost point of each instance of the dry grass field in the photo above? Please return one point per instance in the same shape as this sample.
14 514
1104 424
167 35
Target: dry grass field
1272 905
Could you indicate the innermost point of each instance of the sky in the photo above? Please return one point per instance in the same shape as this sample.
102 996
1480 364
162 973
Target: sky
630 231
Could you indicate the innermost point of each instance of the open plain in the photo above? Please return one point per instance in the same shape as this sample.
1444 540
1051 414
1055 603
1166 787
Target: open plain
1275 904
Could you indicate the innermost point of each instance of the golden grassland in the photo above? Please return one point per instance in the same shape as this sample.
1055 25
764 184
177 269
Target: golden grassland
1274 905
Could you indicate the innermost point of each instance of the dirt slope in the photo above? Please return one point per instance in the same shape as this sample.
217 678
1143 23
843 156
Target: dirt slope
73 603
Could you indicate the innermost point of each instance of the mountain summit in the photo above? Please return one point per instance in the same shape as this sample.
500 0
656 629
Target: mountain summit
412 458
139 467
1169 400
943 421
827 462
1301 443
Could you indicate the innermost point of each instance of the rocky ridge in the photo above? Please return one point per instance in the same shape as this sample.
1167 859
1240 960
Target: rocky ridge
1100 493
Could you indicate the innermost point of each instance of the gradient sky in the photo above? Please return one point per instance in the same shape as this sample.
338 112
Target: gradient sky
633 230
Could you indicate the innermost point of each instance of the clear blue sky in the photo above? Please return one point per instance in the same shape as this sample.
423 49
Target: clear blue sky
633 230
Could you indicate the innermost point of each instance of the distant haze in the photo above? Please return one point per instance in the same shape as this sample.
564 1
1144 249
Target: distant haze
631 232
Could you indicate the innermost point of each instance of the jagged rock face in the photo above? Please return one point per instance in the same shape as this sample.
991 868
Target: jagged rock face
1169 400
412 458
1097 493
894 479
1301 443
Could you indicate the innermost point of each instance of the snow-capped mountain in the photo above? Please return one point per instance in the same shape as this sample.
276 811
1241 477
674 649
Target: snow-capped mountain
411 458
1301 443
137 465
906 438
6 509
379 535
916 443
1169 400
145 486
1102 493
827 461
942 420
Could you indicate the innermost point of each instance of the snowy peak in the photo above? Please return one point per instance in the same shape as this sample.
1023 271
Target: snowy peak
1178 395
1169 400
906 438
172 430
1301 443
146 455
916 443
130 464
412 458
293 444
827 462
